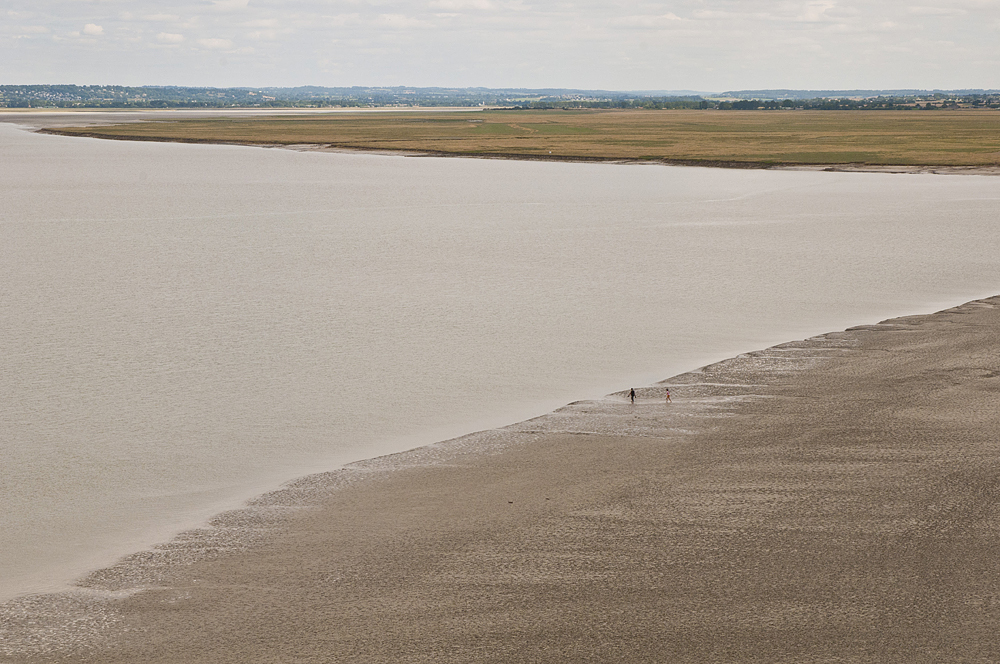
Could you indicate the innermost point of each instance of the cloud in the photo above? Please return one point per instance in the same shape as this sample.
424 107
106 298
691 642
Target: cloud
816 11
459 5
802 44
91 29
163 18
400 22
647 22
34 30
936 11
169 38
216 44
230 5
261 23
714 15
340 21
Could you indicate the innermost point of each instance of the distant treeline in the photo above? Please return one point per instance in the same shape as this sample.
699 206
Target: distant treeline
634 102
117 96
924 101
808 95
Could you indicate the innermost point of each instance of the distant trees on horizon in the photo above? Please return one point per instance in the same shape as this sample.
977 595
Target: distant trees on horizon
116 96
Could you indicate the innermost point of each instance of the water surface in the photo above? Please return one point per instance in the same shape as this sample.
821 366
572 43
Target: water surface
182 326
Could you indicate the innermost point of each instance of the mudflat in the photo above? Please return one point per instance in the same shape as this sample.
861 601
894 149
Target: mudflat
833 499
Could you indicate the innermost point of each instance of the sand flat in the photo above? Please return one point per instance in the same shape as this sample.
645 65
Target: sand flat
834 499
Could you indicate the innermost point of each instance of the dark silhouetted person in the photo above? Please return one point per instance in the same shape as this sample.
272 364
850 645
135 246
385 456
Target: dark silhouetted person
631 394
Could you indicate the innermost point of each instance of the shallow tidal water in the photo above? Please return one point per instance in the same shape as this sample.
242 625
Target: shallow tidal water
183 327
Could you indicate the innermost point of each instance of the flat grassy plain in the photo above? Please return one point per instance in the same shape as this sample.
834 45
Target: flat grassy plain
709 137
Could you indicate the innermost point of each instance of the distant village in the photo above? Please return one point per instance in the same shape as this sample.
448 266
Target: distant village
115 96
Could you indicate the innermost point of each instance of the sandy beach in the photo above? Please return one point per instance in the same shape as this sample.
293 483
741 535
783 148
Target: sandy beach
833 499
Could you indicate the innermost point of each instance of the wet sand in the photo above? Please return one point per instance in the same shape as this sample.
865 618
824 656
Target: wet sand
702 163
828 500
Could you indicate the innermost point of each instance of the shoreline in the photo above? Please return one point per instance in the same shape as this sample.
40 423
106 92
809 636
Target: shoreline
531 481
512 156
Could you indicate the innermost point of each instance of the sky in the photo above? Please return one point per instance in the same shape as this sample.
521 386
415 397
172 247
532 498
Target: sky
703 45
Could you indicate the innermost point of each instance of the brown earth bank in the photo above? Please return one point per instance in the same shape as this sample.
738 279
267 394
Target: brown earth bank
830 500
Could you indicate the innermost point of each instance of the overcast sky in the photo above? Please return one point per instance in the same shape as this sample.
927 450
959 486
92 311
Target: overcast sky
705 45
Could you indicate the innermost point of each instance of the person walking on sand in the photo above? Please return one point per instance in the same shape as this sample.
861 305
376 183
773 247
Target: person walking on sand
668 396
631 394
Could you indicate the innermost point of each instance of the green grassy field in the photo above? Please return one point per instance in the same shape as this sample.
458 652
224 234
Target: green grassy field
932 138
